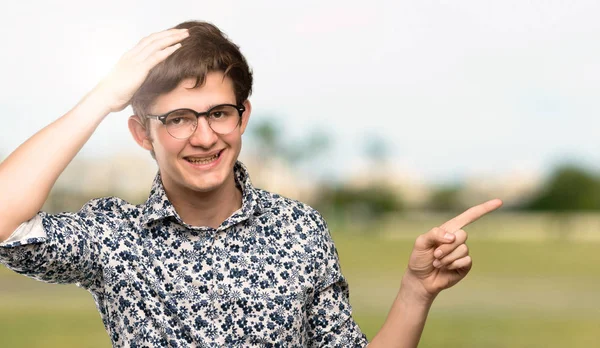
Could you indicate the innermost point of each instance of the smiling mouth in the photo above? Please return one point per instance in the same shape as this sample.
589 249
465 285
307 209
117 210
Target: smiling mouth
203 160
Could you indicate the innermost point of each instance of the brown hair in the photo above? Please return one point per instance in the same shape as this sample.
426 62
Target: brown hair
206 49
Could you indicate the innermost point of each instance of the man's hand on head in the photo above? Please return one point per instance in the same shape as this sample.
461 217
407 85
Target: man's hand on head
126 77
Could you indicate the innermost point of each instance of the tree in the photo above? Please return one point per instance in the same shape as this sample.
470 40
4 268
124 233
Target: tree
570 188
377 149
446 199
267 135
270 139
359 203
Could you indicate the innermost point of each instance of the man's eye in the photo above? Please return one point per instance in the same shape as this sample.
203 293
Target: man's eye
174 120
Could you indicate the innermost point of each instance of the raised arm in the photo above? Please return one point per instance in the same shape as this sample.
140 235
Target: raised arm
28 174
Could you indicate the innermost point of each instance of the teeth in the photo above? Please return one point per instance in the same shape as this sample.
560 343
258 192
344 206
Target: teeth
203 160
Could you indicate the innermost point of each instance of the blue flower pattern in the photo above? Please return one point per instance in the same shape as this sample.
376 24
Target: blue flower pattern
268 276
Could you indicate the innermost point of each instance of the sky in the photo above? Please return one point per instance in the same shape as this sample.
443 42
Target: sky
455 88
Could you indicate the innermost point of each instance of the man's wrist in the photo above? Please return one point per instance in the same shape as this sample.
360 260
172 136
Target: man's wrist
96 100
412 291
91 108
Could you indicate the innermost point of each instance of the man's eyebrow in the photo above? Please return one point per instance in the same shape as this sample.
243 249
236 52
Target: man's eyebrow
208 107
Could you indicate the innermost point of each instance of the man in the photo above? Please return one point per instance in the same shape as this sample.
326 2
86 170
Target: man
208 260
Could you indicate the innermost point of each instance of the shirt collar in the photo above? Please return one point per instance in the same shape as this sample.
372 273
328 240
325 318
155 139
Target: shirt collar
159 207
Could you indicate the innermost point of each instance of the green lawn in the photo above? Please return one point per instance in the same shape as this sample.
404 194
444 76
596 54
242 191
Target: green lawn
519 294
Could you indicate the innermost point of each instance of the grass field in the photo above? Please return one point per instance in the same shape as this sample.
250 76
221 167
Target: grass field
519 294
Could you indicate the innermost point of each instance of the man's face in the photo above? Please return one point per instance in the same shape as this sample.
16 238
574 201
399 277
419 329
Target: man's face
203 162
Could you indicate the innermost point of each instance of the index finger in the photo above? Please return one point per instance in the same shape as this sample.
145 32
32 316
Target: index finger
471 215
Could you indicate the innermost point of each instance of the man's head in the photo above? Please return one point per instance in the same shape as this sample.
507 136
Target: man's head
207 70
206 49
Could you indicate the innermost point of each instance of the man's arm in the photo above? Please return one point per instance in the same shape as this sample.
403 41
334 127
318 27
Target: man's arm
439 259
28 174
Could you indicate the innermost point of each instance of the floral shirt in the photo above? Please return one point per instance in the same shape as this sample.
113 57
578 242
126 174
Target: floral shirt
268 276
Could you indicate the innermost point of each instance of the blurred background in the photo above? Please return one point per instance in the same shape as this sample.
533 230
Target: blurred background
387 116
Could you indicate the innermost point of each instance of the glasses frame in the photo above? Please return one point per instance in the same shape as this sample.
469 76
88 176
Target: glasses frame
163 118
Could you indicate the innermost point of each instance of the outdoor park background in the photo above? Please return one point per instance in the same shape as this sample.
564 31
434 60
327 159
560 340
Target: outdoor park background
389 117
534 283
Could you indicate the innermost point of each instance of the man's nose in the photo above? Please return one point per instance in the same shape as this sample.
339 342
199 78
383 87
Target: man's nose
203 136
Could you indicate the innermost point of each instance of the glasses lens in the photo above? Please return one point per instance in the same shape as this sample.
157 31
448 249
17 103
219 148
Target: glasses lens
181 123
223 119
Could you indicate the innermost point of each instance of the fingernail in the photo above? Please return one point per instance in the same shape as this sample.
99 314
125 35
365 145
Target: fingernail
436 263
449 236
437 253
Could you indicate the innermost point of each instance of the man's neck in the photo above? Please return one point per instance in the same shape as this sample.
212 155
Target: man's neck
206 208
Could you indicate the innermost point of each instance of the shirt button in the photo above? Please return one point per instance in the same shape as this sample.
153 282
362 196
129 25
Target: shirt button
220 291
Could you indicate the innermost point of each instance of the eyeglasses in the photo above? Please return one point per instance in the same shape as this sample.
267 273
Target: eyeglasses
182 123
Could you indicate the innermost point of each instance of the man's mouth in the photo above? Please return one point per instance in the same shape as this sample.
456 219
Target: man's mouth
203 160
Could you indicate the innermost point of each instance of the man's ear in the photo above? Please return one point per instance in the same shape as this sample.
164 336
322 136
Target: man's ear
246 115
139 133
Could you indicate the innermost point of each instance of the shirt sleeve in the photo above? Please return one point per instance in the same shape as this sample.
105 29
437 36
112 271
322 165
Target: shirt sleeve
330 314
62 248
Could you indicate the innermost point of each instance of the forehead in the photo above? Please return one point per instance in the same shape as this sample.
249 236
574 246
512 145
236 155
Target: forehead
216 89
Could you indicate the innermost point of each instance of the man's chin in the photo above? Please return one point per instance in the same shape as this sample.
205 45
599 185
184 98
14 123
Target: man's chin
206 183
203 186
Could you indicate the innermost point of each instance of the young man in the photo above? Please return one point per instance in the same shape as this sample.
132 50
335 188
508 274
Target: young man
208 260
